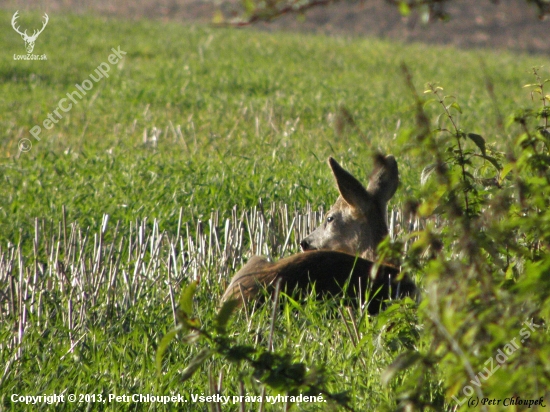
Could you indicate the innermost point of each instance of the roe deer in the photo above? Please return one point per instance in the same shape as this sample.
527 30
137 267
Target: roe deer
339 249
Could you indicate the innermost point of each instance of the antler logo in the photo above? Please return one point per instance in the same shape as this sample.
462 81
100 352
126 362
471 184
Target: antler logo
29 40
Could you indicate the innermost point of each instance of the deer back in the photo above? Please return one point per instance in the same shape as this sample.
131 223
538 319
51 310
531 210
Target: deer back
328 273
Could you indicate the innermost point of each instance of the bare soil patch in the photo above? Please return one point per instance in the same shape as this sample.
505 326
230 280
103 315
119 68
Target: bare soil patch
510 24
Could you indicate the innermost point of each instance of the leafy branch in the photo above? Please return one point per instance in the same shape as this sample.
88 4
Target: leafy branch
257 10
489 252
276 370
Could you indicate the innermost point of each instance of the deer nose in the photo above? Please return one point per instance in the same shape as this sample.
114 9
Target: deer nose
304 244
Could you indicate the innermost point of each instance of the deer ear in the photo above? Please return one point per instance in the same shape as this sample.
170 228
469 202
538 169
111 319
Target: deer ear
384 179
353 192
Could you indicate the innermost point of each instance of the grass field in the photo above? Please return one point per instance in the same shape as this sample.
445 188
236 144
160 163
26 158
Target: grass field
154 178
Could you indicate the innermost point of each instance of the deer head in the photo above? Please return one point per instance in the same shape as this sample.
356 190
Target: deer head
29 40
356 223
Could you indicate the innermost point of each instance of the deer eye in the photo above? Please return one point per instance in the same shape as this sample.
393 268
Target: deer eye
330 219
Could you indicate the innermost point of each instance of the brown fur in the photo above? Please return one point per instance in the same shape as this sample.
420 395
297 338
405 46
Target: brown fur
324 271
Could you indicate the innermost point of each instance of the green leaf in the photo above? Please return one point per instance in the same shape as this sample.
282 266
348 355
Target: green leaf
196 363
479 141
186 298
430 101
404 9
249 6
427 207
505 170
224 315
217 17
188 323
510 271
456 106
493 161
402 362
239 353
440 120
163 345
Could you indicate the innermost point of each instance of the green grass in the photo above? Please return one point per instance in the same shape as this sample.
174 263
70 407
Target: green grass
244 115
